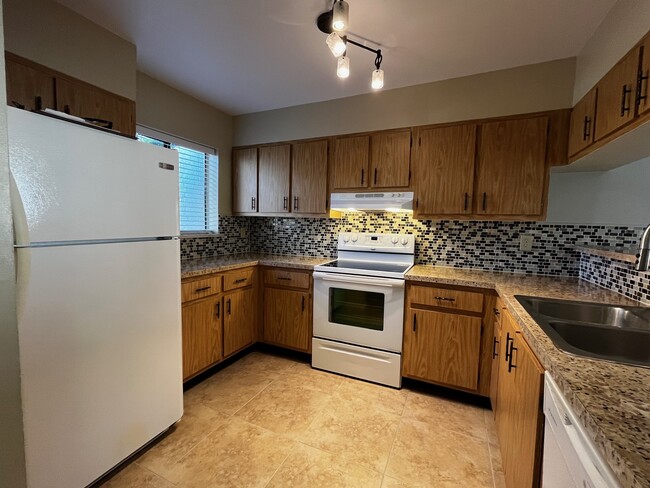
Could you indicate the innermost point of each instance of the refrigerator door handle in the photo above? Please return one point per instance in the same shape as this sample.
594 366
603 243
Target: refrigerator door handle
22 260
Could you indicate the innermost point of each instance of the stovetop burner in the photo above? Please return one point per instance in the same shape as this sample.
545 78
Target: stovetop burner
370 266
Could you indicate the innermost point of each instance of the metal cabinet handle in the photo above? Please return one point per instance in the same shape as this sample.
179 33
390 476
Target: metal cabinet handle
362 176
286 203
218 309
484 200
445 299
641 94
586 131
303 303
283 278
624 106
375 176
508 340
466 198
415 322
205 288
252 203
228 302
295 203
240 280
511 366
495 349
496 312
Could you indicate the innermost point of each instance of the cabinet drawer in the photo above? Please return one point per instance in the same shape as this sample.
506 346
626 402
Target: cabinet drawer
238 279
446 298
283 277
191 290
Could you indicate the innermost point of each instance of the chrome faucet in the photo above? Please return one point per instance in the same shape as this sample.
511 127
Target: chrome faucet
643 258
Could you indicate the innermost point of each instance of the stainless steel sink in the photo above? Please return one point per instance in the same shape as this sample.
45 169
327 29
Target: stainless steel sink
601 331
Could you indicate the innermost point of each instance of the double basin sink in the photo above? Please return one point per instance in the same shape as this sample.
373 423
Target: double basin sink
610 332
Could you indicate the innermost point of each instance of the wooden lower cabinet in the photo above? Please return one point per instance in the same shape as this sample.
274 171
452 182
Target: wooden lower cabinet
519 417
443 348
287 318
496 341
239 320
445 338
201 334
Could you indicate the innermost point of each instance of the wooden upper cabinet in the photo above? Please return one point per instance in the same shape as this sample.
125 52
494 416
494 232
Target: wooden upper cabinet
444 169
274 178
442 348
390 156
309 177
643 101
89 102
616 95
350 165
244 180
583 119
25 84
512 170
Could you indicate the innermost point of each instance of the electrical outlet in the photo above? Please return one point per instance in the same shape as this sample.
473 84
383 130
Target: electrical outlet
526 242
243 232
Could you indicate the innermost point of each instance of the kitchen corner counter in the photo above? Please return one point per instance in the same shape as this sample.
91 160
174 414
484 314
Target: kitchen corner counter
199 267
612 400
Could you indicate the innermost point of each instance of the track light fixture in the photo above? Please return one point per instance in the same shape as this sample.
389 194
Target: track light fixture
335 23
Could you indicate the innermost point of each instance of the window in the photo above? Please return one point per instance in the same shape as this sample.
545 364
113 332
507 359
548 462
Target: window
198 172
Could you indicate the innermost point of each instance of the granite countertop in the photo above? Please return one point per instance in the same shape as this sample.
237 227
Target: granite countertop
198 267
612 400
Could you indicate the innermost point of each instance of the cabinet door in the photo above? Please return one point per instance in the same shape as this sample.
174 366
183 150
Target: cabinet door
390 158
444 170
274 174
496 341
581 128
519 412
25 84
443 348
350 168
642 93
286 318
244 180
239 320
512 168
201 335
616 95
309 177
87 101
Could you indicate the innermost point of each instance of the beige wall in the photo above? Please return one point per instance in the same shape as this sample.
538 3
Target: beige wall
519 90
55 36
164 108
12 457
626 23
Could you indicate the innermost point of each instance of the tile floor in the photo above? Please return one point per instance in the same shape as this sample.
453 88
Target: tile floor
268 421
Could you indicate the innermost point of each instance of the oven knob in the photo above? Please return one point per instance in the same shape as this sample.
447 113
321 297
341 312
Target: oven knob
355 237
405 241
346 238
394 239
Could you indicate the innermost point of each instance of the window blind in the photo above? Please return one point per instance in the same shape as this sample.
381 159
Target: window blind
198 181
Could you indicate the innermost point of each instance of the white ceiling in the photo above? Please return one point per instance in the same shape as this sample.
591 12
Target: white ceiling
246 56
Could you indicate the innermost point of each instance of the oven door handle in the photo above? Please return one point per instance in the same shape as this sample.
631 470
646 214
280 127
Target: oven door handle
385 282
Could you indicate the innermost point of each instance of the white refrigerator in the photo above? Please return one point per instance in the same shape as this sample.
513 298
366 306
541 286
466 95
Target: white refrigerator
98 295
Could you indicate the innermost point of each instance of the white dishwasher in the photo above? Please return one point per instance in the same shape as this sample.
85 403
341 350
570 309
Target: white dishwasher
570 457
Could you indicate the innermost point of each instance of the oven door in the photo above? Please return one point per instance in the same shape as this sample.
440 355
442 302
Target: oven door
359 310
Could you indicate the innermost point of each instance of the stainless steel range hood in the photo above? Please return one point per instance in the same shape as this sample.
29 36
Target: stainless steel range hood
373 202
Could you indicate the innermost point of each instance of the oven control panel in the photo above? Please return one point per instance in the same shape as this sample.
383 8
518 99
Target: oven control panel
370 242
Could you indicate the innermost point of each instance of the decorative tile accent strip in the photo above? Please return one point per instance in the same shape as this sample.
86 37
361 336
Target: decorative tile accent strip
228 241
484 245
615 275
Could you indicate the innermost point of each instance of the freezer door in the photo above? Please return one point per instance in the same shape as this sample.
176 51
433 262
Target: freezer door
78 183
100 355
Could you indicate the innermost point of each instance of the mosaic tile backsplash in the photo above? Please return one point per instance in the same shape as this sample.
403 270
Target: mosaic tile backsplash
618 276
463 244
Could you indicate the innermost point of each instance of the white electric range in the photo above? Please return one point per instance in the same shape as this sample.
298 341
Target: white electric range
359 307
